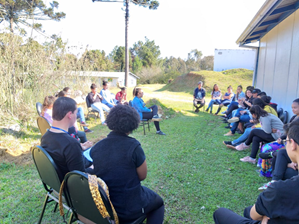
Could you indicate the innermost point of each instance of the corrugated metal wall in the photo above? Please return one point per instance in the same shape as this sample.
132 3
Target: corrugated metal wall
278 66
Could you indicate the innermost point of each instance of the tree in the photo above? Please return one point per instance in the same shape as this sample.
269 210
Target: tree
17 12
207 63
148 52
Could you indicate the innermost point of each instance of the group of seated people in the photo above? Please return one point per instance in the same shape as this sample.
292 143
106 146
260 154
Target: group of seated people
255 117
71 151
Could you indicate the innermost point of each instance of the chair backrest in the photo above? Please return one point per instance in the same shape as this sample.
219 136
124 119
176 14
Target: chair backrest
286 117
77 193
87 102
39 107
43 124
279 112
130 103
47 169
234 98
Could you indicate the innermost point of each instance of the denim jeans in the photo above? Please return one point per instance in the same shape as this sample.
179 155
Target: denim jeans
243 118
100 107
108 105
243 137
212 102
80 115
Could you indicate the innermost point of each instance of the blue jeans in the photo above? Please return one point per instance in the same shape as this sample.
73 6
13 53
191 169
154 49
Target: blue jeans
108 105
212 102
80 115
100 107
243 137
243 118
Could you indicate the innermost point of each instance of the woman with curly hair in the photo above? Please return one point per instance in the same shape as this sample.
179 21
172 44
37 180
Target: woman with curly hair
144 112
119 160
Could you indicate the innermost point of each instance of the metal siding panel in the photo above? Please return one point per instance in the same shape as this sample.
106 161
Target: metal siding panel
292 91
270 62
284 45
261 62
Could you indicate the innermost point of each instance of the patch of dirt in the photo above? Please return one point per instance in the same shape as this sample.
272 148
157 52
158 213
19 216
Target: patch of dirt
16 157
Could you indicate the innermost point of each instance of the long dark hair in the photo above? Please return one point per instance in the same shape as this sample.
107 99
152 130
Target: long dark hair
215 89
239 86
259 102
258 111
250 90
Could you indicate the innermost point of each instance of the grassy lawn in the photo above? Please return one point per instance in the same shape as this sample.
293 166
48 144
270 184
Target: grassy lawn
189 167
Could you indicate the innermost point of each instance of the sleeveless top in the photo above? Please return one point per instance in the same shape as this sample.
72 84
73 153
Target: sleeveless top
112 159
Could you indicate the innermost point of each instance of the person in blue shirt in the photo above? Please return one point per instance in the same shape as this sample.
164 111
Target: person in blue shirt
144 112
235 104
107 97
199 95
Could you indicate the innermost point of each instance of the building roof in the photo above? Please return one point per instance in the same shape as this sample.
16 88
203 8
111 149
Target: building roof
270 15
103 74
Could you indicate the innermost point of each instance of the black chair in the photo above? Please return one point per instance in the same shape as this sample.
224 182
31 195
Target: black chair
49 175
143 122
43 124
39 107
78 195
279 112
90 110
284 117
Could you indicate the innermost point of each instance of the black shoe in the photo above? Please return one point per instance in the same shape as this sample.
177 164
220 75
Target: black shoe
266 155
160 133
225 121
88 130
227 143
228 126
196 111
207 110
239 131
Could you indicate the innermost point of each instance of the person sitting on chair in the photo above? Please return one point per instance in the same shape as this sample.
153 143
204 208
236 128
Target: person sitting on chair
226 99
199 95
144 112
277 204
47 108
215 95
64 149
106 96
121 96
119 160
95 100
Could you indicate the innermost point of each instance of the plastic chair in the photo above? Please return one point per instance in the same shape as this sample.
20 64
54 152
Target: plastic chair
43 124
143 122
78 195
279 112
284 117
49 175
39 107
90 110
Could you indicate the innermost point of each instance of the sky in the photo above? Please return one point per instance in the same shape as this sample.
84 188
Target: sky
177 26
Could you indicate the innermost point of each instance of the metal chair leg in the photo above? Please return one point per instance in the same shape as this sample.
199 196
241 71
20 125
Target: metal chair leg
148 126
44 208
55 208
143 127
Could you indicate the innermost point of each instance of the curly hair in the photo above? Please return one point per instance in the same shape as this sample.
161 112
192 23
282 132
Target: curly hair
123 119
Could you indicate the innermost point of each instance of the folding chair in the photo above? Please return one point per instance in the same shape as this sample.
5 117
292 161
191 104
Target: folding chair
80 198
39 107
43 124
143 121
203 107
90 110
49 175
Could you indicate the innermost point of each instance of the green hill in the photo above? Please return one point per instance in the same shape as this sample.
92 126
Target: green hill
233 77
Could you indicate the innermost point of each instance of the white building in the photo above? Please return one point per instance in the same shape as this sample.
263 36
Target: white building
276 29
114 78
234 58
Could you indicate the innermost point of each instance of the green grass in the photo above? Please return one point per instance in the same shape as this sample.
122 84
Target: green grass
189 167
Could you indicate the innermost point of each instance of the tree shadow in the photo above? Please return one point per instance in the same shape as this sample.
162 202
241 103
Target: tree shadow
21 134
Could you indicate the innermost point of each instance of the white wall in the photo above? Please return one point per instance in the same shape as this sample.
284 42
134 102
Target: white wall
278 66
230 58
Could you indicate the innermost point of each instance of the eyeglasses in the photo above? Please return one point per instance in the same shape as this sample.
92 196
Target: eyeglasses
285 141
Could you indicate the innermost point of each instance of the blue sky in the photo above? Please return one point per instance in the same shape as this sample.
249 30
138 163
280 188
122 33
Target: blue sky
177 26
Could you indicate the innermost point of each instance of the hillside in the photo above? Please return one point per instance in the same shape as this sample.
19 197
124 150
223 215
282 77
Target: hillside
233 77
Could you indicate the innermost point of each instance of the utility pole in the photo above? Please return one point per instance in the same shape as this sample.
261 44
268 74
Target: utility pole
126 45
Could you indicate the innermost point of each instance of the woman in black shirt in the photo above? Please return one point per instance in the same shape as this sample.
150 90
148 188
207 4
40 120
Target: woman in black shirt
120 161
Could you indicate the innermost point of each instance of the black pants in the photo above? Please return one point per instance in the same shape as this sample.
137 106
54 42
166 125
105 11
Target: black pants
255 137
200 103
155 211
230 109
226 216
280 166
149 115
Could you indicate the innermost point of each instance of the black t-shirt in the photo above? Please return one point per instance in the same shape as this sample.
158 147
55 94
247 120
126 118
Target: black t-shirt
280 202
138 156
91 100
64 150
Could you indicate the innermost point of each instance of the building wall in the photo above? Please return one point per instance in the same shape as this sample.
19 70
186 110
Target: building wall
230 58
278 65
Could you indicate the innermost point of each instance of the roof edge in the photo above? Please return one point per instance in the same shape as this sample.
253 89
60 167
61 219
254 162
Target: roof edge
256 19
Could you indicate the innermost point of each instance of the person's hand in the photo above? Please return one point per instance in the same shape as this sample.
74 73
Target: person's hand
274 130
265 220
151 109
279 140
252 127
293 165
86 145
